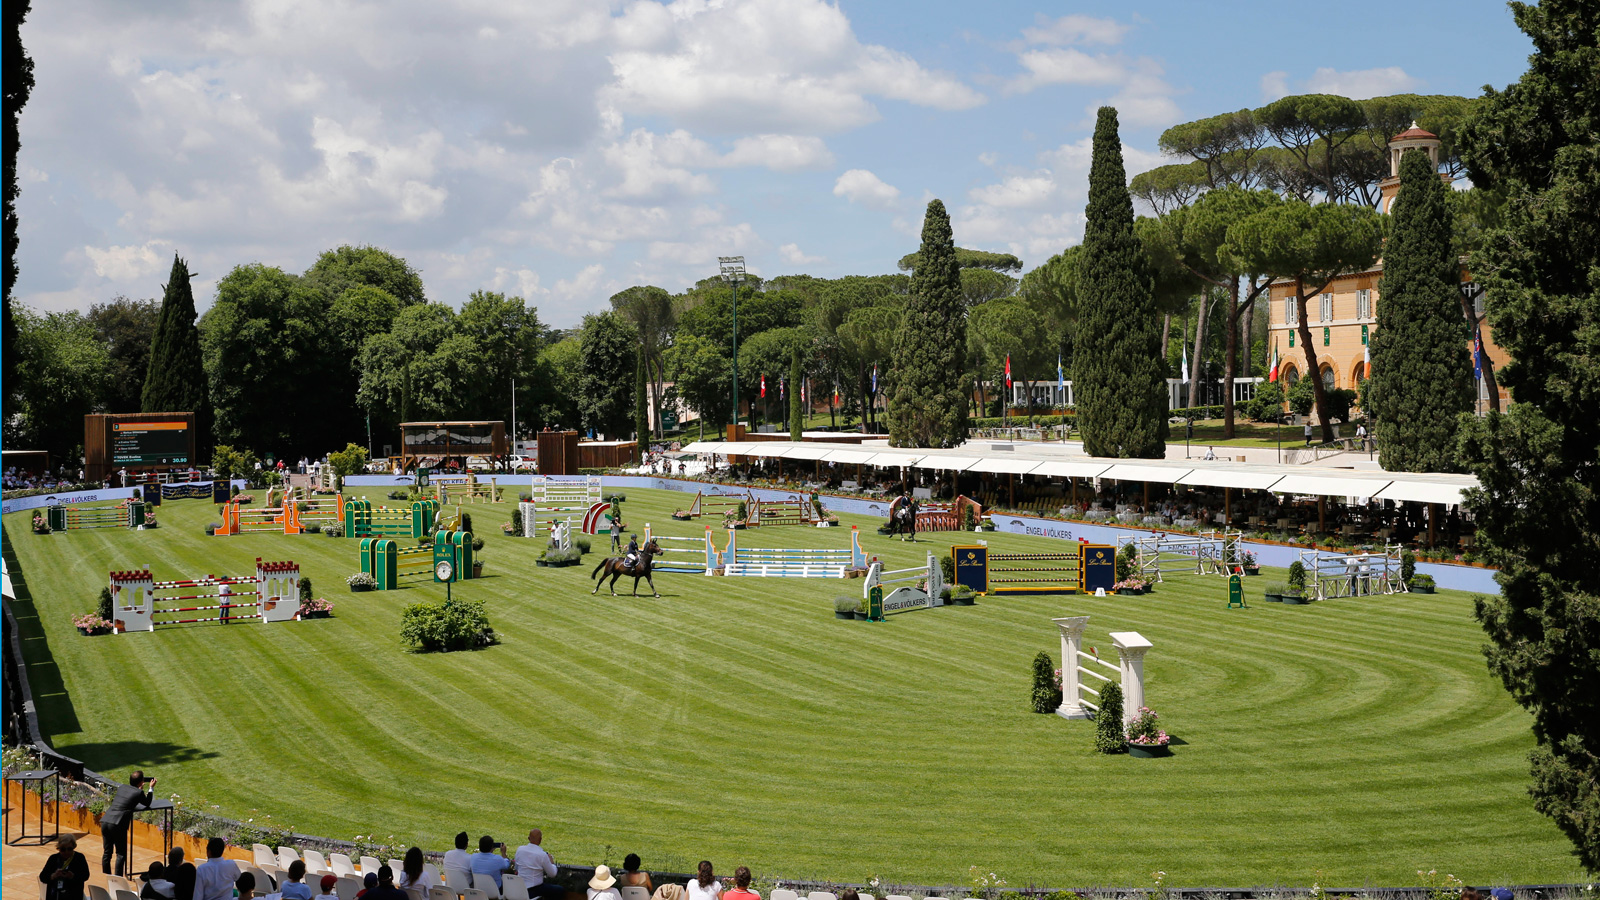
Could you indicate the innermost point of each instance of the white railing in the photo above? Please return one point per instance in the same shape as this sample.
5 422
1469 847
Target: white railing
1131 648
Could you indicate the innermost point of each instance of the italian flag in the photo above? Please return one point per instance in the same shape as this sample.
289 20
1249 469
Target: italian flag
1008 370
1272 373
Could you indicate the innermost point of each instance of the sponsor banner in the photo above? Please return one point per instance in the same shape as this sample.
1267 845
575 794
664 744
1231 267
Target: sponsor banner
904 602
40 501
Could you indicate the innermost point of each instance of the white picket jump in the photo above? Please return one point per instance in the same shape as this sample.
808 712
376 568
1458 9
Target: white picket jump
908 595
1131 648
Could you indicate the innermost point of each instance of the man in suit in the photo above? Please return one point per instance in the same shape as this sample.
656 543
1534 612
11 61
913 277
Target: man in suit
118 816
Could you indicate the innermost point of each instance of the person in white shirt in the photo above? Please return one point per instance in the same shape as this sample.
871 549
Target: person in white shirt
459 859
704 886
214 878
534 865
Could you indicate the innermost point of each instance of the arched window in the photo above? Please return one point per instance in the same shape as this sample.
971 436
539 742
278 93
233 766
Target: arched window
1329 379
1290 376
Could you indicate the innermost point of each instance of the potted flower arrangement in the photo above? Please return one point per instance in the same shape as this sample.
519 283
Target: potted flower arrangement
40 524
1146 740
90 624
1247 561
1421 584
860 612
844 606
961 595
334 529
315 608
1129 587
361 581
1296 594
1274 592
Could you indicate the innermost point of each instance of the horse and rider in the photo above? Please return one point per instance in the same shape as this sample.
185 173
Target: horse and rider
635 563
903 517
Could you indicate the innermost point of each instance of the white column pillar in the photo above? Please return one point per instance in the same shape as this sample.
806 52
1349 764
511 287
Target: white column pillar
1131 647
1071 643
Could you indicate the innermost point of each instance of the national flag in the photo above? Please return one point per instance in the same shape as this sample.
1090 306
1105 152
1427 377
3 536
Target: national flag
874 378
1185 376
1477 355
763 384
836 395
1008 370
1061 375
1272 373
783 386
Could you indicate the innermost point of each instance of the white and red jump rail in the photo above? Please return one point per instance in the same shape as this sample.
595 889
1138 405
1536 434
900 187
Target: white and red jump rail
272 594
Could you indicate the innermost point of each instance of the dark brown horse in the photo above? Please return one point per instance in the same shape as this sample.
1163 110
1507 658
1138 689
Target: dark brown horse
617 568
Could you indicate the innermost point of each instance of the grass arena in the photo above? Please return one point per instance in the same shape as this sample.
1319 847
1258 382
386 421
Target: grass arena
1352 741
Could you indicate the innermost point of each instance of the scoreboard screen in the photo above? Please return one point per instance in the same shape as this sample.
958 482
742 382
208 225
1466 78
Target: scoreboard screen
150 443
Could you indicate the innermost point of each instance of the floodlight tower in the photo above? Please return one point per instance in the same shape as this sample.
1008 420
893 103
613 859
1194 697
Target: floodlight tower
733 273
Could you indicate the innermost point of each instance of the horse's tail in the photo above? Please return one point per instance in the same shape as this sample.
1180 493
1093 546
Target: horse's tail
598 568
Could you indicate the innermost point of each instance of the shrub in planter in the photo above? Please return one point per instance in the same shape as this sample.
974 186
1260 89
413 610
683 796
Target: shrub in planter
306 592
103 605
1273 593
361 581
1108 736
947 566
312 528
583 544
516 523
1126 563
1297 578
1408 566
1046 684
399 495
962 595
334 529
212 528
1422 584
477 544
452 624
844 606
1248 561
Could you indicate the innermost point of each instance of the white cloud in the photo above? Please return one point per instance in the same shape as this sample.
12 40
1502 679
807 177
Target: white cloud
1362 83
779 152
1074 29
129 263
1274 85
1064 65
863 187
791 254
788 66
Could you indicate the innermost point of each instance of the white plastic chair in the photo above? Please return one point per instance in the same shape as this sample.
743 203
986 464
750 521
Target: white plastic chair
415 893
784 894
347 887
96 892
634 892
459 880
438 892
125 895
263 883
263 855
821 895
471 894
340 865
512 887
116 883
278 876
485 883
286 855
369 865
896 897
315 862
861 896
431 869
395 865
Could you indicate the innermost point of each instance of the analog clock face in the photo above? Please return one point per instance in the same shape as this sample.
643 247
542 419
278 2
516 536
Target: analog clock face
444 570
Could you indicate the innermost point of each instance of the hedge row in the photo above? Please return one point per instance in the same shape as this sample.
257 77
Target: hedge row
1022 421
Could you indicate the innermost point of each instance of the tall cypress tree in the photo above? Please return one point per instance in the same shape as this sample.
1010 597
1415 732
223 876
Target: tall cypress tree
1118 375
176 380
928 401
1538 513
18 85
1421 371
797 420
641 419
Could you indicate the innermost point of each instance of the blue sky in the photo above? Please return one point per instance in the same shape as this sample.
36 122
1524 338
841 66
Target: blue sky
565 149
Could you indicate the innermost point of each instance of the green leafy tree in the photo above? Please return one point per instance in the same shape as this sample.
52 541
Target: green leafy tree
176 378
351 460
1538 514
1421 370
61 376
1311 246
1120 388
126 328
1302 396
928 405
867 339
506 337
703 379
18 85
606 366
969 259
422 368
266 352
346 267
229 463
654 317
1011 327
557 371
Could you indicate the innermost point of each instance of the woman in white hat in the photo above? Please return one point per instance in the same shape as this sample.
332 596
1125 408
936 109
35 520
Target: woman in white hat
603 886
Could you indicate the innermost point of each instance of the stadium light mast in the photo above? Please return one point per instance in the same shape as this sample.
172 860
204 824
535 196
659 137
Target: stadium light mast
733 273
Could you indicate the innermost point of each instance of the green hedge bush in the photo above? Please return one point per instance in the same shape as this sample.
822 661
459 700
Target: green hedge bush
447 625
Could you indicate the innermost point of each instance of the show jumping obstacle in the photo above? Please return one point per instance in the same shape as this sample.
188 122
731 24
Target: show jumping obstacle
308 508
915 588
360 521
128 514
715 504
1168 553
1365 574
240 519
781 512
136 598
941 517
556 499
694 556
388 562
1131 648
1085 567
464 489
788 562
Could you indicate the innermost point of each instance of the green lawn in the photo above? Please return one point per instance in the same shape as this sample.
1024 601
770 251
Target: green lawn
1351 741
